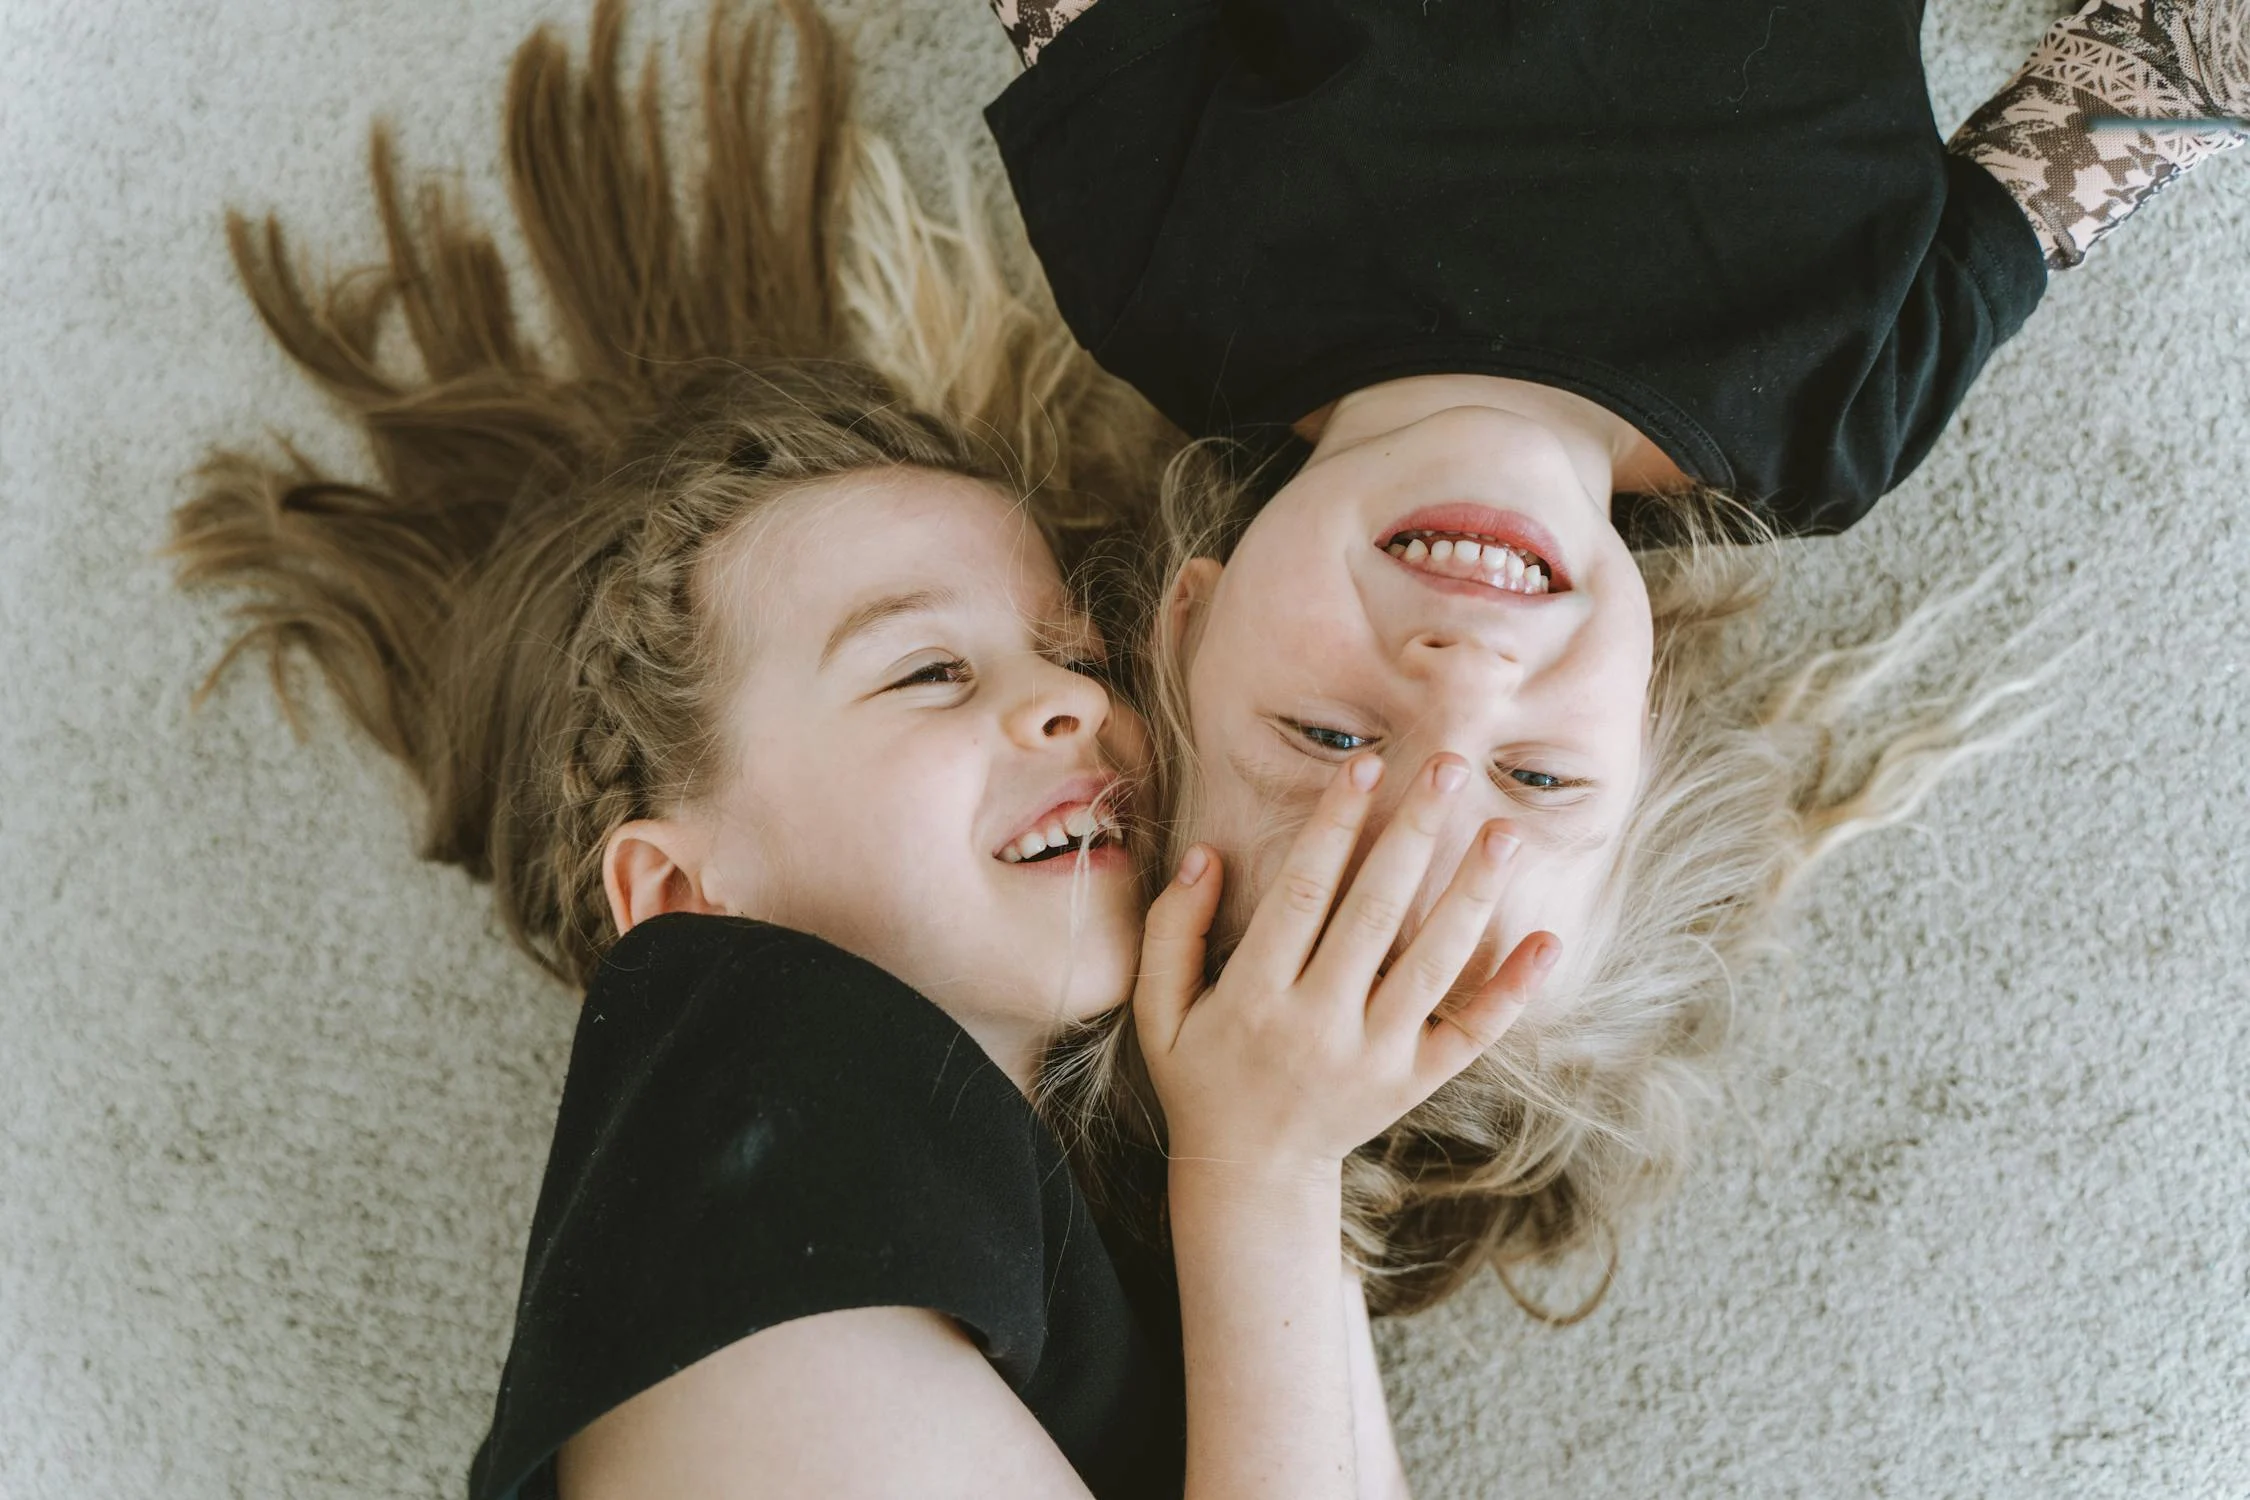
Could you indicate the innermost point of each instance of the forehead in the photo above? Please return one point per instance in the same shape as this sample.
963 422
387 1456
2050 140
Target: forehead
823 550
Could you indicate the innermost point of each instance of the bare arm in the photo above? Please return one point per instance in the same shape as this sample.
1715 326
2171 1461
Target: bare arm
1309 1043
1268 1369
884 1401
1381 1475
866 1402
2045 138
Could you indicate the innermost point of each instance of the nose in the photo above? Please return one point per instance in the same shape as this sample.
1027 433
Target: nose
1454 663
1053 704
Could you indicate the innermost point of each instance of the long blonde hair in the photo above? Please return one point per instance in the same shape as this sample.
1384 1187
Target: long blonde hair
1758 764
511 607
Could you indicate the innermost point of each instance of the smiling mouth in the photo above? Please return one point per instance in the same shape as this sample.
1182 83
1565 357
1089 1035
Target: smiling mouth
1065 831
1476 559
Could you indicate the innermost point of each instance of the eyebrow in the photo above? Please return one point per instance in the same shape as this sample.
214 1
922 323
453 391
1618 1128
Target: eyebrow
879 611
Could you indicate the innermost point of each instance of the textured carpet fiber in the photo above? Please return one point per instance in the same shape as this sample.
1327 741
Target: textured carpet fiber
274 1099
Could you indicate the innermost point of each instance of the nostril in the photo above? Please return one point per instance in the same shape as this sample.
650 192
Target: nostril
1461 648
1060 724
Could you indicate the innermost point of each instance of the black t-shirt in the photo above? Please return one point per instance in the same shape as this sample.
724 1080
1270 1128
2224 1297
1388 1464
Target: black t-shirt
756 1127
1732 222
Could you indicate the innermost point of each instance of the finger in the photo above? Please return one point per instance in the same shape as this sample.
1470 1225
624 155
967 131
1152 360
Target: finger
1458 1035
1430 968
1172 946
1367 921
1290 915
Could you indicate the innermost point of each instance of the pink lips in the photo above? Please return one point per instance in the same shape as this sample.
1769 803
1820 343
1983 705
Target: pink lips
1482 521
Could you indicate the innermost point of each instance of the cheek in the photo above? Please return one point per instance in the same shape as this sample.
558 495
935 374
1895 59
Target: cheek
1630 631
845 826
1547 896
1296 616
1252 845
1126 739
1287 586
1602 688
911 803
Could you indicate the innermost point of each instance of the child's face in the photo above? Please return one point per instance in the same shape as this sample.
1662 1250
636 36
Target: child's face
1315 641
914 704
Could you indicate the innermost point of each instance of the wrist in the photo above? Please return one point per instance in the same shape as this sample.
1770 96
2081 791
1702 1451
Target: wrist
1268 1173
1277 1195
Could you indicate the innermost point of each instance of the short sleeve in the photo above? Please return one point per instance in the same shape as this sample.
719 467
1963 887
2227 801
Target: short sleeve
758 1127
1095 139
1979 281
1777 273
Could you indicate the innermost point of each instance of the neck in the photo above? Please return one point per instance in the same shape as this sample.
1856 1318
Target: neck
1608 452
1015 1047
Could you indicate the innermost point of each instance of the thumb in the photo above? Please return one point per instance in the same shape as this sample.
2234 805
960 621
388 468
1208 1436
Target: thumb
1172 945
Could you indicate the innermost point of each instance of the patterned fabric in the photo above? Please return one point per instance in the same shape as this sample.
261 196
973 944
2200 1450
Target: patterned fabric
2044 135
1032 24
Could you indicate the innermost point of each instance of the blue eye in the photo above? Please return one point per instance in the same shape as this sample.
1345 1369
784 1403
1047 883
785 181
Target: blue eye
1541 781
1334 739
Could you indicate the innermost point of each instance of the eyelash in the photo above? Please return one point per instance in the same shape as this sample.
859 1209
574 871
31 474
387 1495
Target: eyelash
953 670
1322 736
1529 780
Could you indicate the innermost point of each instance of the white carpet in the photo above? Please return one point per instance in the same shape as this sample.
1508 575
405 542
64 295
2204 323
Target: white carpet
274 1100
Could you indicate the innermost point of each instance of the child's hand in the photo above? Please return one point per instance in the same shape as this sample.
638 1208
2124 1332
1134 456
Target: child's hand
1304 1049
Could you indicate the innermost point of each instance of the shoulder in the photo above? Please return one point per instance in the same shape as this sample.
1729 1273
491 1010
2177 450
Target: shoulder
1094 139
1102 44
758 1127
720 1011
727 1067
866 1400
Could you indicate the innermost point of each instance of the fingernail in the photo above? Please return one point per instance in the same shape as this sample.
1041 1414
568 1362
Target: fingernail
1366 771
1193 866
1549 952
1450 776
1500 846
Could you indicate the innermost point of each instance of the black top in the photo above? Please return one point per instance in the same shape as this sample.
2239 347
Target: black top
1732 222
757 1127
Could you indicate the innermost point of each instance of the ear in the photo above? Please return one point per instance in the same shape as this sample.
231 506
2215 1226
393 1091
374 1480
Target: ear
649 867
1192 588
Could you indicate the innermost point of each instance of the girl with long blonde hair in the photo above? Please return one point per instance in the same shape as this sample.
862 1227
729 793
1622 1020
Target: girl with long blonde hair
1523 330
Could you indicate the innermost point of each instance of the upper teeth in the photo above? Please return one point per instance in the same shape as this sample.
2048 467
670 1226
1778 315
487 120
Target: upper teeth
1079 823
1495 563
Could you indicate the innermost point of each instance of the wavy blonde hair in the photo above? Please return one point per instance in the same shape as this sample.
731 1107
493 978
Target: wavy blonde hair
1757 764
513 608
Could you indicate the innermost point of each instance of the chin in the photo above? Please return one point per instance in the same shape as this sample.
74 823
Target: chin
1097 979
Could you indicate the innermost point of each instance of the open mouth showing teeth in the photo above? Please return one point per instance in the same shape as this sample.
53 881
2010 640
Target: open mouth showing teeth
1082 827
1453 554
